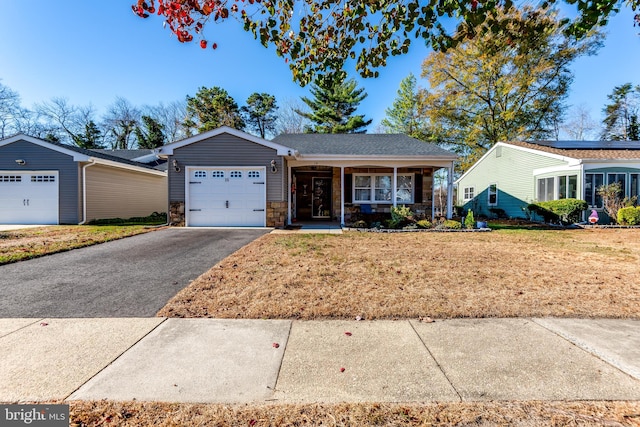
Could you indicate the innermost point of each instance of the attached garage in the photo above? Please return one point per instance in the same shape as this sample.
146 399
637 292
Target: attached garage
226 196
29 197
43 182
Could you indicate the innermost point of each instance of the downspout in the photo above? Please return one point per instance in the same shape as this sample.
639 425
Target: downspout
84 191
450 191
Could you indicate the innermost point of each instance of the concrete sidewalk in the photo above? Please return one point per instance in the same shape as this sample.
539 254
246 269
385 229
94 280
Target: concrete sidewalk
240 361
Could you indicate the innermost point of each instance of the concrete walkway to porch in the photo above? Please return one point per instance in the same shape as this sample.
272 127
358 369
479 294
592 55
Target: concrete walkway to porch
324 227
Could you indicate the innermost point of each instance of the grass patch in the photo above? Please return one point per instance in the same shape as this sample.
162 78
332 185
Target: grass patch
508 273
100 413
30 243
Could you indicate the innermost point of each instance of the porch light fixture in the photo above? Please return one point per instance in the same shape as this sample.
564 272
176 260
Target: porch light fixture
274 167
21 162
176 167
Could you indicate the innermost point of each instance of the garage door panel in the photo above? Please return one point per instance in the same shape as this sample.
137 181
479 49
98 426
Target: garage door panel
28 197
226 196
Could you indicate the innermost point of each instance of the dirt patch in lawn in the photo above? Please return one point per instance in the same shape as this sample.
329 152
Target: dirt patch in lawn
29 243
436 414
506 273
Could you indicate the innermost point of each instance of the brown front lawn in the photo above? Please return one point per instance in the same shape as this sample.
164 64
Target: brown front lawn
29 243
505 273
105 413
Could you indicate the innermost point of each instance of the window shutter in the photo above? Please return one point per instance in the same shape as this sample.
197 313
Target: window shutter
418 191
348 188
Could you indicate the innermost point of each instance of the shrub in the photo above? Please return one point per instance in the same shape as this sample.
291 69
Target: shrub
400 216
451 224
469 221
359 224
424 223
568 210
611 199
629 215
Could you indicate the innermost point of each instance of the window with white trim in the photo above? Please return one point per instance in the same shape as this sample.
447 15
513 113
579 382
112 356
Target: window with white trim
253 174
10 178
492 194
546 189
217 174
199 174
378 188
469 193
236 174
567 186
43 178
592 181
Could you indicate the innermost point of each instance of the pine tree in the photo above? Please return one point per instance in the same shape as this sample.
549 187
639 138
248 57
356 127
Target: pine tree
403 116
212 108
259 113
91 138
152 136
333 106
621 115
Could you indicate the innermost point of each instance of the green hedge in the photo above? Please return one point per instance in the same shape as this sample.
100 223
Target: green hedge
563 210
629 215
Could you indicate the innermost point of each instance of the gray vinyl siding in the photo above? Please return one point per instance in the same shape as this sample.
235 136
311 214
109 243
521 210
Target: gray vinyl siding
226 150
40 158
120 193
512 172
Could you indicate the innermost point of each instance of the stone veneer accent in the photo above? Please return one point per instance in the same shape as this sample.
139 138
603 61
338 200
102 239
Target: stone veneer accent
335 194
176 214
276 214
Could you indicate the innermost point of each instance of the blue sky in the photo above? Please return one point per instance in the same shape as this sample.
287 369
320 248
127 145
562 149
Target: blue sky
91 52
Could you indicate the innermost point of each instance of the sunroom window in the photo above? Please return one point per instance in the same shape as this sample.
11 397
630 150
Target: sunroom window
378 188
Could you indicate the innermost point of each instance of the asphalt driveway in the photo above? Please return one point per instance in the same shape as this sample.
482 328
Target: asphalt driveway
132 277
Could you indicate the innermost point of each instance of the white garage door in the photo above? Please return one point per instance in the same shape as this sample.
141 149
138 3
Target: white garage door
28 197
226 196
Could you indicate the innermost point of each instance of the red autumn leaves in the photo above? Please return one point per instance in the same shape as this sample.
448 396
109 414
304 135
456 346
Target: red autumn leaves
185 16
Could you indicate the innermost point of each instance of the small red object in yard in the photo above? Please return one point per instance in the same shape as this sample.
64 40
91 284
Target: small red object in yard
44 324
252 422
348 334
276 345
341 369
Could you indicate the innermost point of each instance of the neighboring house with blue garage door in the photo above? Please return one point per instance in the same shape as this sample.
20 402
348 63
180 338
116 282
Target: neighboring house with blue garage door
513 174
43 182
226 177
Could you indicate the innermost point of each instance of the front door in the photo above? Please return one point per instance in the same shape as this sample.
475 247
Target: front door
321 197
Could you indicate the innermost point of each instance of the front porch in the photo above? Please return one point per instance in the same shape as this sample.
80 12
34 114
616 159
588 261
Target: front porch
343 193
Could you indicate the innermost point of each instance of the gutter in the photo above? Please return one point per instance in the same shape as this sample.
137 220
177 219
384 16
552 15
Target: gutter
84 191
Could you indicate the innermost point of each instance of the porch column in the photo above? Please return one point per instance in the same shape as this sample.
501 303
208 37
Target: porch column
450 191
395 186
342 196
289 182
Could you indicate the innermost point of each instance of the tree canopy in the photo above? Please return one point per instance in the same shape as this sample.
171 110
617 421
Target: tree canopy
621 114
211 108
319 35
335 100
260 113
404 116
500 87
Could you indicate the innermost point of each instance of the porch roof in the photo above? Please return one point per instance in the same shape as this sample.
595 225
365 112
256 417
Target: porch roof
365 145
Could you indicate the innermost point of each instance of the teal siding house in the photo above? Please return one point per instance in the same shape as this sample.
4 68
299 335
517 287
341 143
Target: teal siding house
513 174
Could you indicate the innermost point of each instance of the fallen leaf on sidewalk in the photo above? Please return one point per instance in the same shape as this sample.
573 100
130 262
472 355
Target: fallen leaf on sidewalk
426 319
276 345
44 324
342 369
348 334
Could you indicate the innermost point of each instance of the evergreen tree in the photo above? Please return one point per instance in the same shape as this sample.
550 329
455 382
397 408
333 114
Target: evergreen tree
212 108
90 138
260 113
621 115
152 136
404 116
333 106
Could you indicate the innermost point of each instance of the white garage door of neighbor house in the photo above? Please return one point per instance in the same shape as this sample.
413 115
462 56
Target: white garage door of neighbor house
226 196
28 197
